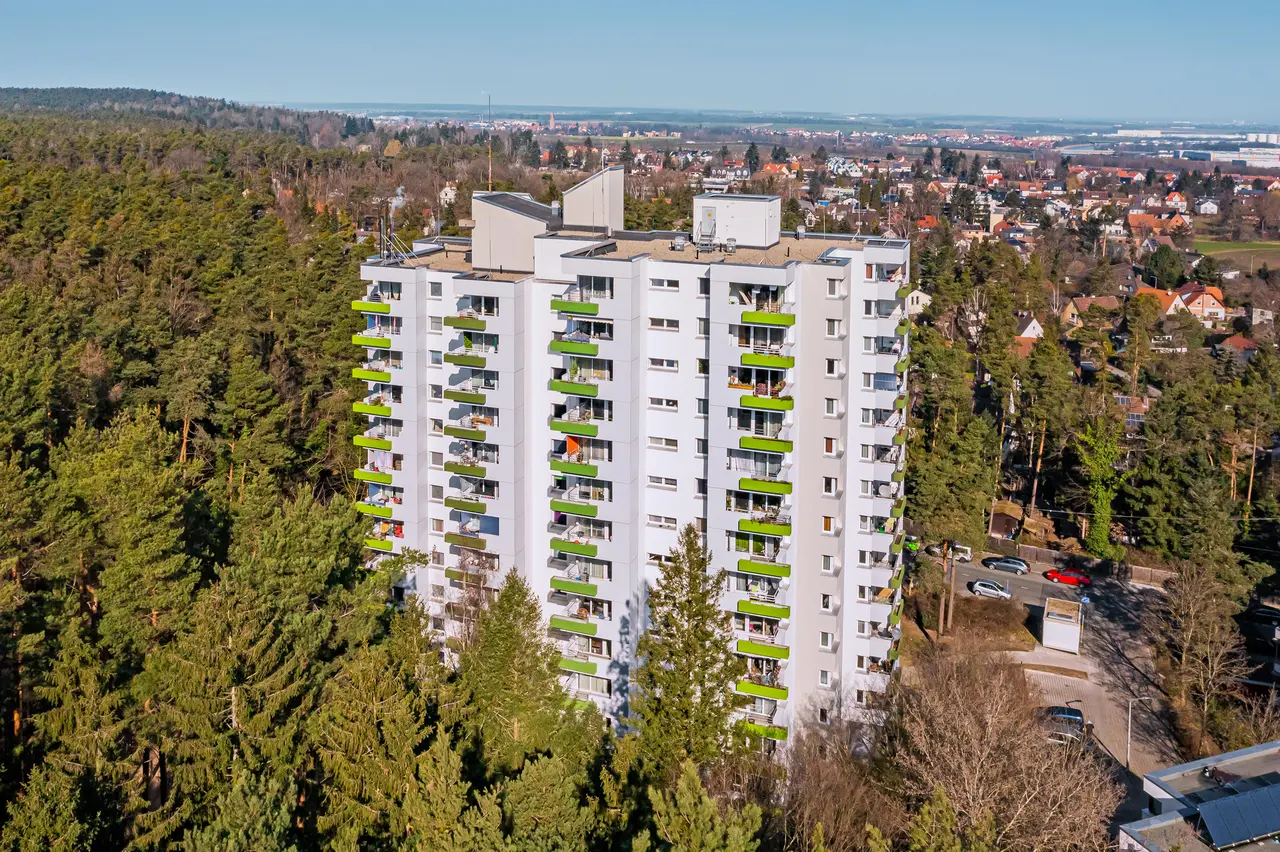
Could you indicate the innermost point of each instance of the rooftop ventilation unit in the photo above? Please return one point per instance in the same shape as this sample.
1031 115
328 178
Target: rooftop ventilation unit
800 232
678 244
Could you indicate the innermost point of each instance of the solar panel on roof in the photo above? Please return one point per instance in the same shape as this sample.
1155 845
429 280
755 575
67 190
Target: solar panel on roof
1240 819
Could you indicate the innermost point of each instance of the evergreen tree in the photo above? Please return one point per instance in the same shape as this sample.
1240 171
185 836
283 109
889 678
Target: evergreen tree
543 809
46 816
688 820
752 158
254 815
935 829
684 685
1098 447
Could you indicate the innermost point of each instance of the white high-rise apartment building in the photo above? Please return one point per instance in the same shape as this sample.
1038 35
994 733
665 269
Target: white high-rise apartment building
558 395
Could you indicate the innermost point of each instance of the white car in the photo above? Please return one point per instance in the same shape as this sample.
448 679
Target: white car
990 589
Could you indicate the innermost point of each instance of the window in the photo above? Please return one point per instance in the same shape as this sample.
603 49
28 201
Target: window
667 324
832 406
704 326
828 524
860 696
825 603
662 522
704 286
663 402
868 416
700 524
437 492
701 489
824 677
659 559
867 380
437 357
663 443
828 564
664 284
862 590
862 628
864 523
868 344
437 459
700 446
830 485
830 447
663 364
662 481
437 392
437 557
704 366
833 288
704 406
868 308
861 665
435 324
437 425
833 366
826 640
824 716
437 525
591 683
864 487
436 289
833 328
867 452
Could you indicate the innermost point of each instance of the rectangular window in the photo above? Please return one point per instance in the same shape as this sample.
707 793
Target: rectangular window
824 677
437 392
862 628
825 639
663 402
597 685
862 590
824 716
704 366
832 406
662 481
868 308
663 443
704 326
435 323
868 344
824 601
663 364
833 328
436 289
667 324
861 664
664 284
437 492
867 381
828 524
833 288
662 522
830 447
704 406
704 286
830 485
868 452
437 459
437 525
701 489
860 696
700 446
437 425
828 564
833 367
437 357
865 487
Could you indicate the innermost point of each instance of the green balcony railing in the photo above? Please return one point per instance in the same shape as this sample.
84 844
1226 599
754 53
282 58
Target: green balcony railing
769 732
374 510
572 387
574 625
463 576
474 542
371 443
580 666
768 318
468 396
574 347
763 486
900 438
899 508
777 693
375 410
772 362
574 587
767 403
378 544
765 445
463 359
764 569
895 617
899 475
580 548
373 476
573 507
371 307
575 468
371 375
903 291
462 469
761 649
903 327
462 504
464 433
466 323
749 525
766 610
575 427
370 342
570 307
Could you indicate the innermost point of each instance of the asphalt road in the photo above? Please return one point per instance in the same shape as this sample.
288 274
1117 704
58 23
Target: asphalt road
1031 588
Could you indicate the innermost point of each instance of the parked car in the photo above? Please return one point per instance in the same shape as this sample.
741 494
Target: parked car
1068 577
1064 733
1007 563
990 589
959 552
1067 715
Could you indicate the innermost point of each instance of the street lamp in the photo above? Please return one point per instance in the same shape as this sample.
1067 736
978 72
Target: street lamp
1128 740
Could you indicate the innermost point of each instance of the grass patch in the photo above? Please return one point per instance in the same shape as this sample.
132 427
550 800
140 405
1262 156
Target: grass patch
1056 670
996 625
1224 246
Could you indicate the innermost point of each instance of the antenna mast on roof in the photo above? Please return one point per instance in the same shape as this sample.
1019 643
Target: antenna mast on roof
489 133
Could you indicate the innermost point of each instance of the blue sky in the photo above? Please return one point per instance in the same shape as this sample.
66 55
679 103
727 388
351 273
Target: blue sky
1172 59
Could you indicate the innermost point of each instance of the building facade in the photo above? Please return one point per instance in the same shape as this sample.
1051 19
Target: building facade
558 396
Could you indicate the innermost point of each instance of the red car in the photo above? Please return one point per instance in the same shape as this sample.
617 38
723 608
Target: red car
1068 576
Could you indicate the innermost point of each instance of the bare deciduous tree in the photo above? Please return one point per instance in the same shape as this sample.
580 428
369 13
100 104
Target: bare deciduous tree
966 724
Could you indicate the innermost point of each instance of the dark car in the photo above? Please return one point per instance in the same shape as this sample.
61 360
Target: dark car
1007 563
1067 716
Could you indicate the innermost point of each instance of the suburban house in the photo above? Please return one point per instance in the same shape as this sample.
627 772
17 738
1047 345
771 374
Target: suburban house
1079 306
1170 302
1028 332
1175 201
1203 302
917 301
1237 346
1135 410
1206 207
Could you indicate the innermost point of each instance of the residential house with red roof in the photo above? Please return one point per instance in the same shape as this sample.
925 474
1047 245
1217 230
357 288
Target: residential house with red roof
1170 302
1205 302
1176 201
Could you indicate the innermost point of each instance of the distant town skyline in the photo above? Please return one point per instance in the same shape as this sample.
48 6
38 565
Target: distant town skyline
1093 60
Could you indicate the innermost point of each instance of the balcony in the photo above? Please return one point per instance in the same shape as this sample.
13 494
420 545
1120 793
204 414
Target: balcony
467 320
574 587
763 397
762 480
467 500
376 404
576 343
469 462
578 301
764 610
468 427
762 690
767 356
467 535
462 358
760 645
372 339
371 305
577 464
766 523
376 438
768 313
578 383
577 538
469 391
373 473
580 500
576 421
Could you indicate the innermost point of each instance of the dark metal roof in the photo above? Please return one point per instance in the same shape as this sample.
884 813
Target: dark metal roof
1242 818
524 207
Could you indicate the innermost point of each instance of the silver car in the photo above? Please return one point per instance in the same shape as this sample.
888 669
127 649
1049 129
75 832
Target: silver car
1007 563
990 589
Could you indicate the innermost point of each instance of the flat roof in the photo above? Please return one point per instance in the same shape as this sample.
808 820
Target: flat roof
743 196
789 248
1058 609
1230 773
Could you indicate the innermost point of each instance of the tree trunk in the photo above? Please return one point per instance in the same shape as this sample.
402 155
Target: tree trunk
942 593
1233 471
951 604
1035 476
182 451
1253 465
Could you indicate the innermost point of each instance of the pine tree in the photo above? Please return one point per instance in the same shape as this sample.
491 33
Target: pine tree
544 809
688 820
253 421
1098 447
253 815
684 686
46 816
752 158
935 829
